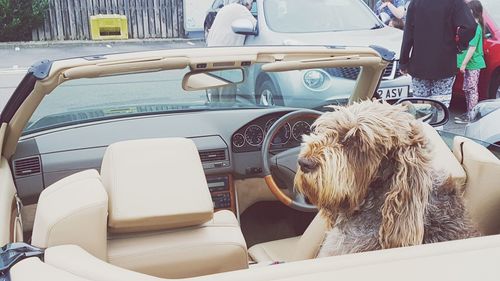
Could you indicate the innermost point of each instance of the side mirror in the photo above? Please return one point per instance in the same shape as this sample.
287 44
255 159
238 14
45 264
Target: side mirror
244 27
433 112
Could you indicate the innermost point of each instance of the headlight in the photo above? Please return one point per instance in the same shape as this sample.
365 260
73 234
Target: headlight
316 80
484 108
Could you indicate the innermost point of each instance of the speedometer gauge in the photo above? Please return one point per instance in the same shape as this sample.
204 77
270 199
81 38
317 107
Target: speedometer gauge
254 135
283 135
300 128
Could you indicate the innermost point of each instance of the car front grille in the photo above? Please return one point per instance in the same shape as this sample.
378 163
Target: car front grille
352 73
388 70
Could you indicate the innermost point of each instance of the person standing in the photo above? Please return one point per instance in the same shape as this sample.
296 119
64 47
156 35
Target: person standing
221 32
471 62
388 10
429 49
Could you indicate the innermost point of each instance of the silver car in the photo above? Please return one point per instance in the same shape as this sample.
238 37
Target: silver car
334 23
484 122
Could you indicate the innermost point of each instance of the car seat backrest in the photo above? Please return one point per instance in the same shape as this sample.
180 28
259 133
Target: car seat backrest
482 191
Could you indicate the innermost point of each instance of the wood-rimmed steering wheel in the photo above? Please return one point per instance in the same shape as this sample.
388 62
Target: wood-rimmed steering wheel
285 163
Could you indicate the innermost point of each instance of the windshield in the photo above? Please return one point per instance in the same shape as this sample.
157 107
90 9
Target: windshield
86 100
300 16
492 7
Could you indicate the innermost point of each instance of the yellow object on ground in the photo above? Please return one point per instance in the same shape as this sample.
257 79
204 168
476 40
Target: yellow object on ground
105 27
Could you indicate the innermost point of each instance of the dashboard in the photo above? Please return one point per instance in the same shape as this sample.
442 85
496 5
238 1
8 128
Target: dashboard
229 143
251 136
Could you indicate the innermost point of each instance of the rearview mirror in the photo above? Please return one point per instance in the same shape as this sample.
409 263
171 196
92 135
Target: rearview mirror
433 112
197 80
243 27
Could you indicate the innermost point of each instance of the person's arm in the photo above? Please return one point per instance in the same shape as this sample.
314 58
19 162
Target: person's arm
467 58
246 14
464 22
397 11
407 44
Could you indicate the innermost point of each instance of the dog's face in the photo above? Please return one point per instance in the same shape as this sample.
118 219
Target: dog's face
346 149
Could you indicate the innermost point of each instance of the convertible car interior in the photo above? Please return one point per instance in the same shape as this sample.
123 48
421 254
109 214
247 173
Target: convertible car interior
137 167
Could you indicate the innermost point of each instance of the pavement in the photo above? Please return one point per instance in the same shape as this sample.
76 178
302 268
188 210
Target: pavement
17 57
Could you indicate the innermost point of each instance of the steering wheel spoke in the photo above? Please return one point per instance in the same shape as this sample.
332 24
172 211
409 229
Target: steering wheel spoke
285 163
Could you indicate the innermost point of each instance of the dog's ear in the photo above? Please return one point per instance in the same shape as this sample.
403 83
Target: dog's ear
406 201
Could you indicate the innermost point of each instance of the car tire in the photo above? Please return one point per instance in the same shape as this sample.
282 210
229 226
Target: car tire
495 86
268 95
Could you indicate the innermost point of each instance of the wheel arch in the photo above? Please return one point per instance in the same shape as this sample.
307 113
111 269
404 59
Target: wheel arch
263 76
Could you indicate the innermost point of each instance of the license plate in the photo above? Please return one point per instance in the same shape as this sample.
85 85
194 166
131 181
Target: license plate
393 93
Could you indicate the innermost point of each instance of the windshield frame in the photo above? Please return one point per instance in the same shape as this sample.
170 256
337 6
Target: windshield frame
376 21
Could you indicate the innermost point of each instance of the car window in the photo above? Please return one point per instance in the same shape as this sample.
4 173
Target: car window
318 15
254 9
90 99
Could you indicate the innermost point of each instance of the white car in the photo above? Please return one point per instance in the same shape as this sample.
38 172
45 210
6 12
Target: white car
321 22
484 122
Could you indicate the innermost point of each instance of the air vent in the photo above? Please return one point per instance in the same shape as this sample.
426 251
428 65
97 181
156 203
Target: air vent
211 156
27 166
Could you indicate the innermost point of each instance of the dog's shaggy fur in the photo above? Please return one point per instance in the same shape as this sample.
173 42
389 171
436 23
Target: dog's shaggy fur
368 169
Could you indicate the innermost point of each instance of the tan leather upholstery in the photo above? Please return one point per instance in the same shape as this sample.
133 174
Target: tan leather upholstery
442 156
307 245
216 246
73 211
482 190
297 248
277 250
454 260
155 184
7 199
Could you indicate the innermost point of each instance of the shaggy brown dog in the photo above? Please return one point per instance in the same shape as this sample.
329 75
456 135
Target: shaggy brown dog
368 169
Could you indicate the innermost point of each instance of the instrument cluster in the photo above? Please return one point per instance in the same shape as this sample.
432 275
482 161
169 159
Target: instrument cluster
250 137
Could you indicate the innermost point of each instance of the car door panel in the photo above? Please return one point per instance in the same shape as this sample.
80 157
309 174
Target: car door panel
7 203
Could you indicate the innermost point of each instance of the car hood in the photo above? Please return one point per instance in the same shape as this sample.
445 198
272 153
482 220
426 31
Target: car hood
387 37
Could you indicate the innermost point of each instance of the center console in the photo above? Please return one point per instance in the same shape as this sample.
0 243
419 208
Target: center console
222 190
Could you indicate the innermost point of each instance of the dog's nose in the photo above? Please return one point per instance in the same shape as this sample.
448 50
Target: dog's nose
307 165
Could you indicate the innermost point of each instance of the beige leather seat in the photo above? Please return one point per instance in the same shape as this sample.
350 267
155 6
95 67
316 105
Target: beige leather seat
482 192
160 221
307 245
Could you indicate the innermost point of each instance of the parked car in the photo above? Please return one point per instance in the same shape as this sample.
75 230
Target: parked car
489 79
117 162
321 22
484 122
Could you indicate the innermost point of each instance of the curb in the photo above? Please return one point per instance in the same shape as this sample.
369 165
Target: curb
72 43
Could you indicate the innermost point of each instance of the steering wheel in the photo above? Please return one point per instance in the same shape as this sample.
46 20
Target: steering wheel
285 163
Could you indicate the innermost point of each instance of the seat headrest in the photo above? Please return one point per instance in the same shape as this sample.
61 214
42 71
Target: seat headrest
155 184
442 156
482 192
